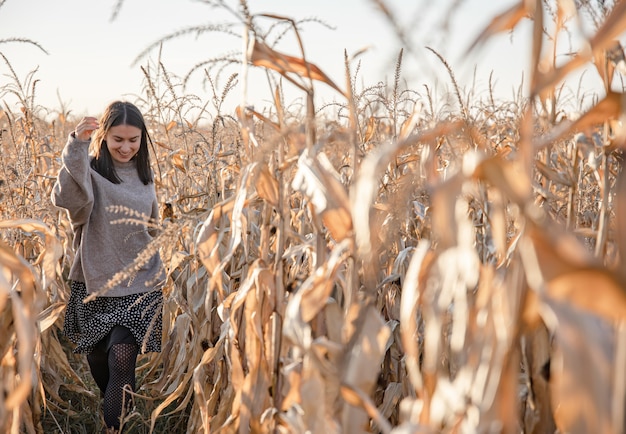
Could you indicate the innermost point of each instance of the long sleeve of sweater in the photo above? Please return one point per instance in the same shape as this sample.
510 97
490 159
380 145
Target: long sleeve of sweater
73 190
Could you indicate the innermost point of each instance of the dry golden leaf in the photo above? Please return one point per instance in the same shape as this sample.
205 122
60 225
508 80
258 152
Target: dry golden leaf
171 125
583 372
362 362
201 383
606 60
553 175
610 107
291 383
27 337
280 111
316 407
338 221
443 202
264 56
574 276
504 22
167 212
370 130
592 290
163 145
245 118
179 161
49 257
314 292
409 304
265 120
586 232
267 186
207 240
498 219
537 350
357 398
620 220
257 383
408 126
50 316
318 181
558 252
507 177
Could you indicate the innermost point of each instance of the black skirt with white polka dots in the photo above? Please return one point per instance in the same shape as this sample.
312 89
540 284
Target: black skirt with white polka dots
86 324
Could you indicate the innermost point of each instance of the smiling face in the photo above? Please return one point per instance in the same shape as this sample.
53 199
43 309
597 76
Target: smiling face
123 142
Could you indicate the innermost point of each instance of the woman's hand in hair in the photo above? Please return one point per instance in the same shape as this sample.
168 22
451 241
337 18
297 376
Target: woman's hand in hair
85 127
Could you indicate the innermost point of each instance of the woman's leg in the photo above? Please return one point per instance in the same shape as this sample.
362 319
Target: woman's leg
122 361
98 361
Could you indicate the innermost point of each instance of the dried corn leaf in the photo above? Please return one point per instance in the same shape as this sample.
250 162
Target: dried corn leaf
362 361
610 107
409 305
51 254
26 337
357 398
256 387
202 383
207 241
606 60
264 56
370 129
573 276
171 125
319 182
264 119
317 410
620 220
507 177
179 160
267 186
536 348
582 400
18 294
553 175
315 291
55 371
504 22
592 290
498 220
443 203
50 316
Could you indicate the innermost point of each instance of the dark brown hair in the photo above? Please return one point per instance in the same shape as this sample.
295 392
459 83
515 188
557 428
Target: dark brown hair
120 113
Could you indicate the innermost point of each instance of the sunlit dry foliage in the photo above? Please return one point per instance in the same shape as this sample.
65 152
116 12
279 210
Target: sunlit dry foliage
397 265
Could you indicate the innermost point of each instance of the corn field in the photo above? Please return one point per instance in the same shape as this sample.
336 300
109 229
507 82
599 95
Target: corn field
392 264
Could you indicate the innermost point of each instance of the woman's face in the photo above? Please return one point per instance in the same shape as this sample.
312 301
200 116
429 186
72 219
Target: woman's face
123 142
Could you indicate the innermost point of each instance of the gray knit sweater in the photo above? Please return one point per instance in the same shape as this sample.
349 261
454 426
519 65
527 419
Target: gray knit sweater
103 248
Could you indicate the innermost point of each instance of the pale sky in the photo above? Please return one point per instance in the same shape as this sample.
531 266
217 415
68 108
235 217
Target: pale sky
90 60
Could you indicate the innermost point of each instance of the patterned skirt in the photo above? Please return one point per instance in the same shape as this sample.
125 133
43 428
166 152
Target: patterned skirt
87 324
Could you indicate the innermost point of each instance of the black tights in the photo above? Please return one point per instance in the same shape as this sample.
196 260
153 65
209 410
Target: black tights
113 371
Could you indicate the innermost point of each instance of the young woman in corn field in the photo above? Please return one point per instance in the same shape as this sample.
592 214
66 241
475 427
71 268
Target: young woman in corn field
114 311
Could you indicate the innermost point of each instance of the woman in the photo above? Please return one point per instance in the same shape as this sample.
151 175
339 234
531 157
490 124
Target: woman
102 181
